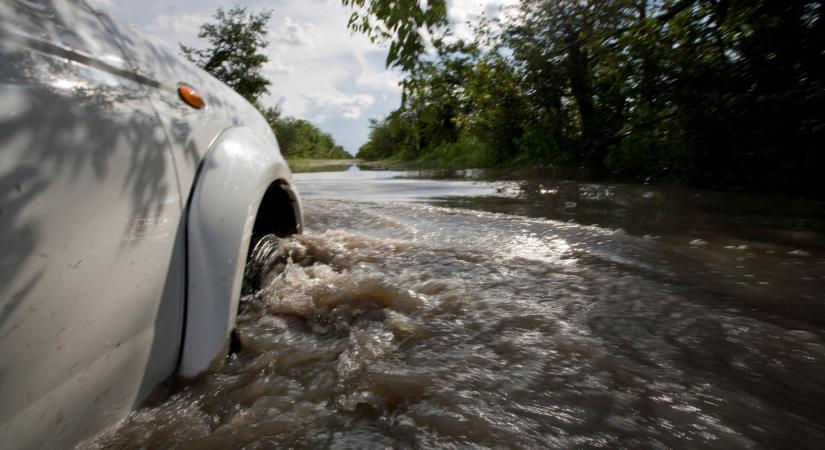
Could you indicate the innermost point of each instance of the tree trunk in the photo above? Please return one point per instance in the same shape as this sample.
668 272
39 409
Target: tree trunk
578 73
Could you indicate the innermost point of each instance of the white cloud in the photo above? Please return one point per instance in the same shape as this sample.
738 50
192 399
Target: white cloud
463 11
177 28
348 106
293 33
276 67
386 81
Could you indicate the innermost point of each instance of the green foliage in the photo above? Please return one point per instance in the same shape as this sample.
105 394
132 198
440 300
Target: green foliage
399 23
387 138
234 53
710 92
465 154
298 138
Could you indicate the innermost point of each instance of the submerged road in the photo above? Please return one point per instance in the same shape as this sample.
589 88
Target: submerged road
501 313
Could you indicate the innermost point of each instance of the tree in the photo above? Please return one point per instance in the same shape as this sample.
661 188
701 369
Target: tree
234 52
725 93
297 138
402 23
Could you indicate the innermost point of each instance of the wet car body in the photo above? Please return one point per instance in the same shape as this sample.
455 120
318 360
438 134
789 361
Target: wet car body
126 217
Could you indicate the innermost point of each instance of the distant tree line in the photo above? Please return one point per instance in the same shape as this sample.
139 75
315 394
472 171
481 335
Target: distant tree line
298 138
710 92
234 56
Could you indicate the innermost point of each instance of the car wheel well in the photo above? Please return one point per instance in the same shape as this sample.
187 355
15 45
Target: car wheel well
277 218
276 213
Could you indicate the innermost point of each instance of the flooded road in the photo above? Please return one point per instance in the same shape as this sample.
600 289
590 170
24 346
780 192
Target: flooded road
478 313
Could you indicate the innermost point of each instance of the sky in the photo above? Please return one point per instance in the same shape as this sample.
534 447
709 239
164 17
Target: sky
319 70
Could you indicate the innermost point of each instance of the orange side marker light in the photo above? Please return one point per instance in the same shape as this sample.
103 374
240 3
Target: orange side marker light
191 97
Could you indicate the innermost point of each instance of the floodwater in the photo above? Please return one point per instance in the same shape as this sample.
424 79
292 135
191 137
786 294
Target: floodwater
487 312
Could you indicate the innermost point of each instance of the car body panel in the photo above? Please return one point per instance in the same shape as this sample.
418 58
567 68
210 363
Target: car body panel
240 164
191 131
90 229
99 160
219 231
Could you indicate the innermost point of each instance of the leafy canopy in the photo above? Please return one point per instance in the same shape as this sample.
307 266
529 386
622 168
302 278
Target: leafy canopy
722 93
405 24
234 55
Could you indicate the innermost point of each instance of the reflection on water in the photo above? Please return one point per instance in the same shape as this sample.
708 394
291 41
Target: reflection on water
383 186
408 324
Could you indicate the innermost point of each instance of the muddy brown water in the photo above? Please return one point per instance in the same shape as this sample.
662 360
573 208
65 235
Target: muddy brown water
469 313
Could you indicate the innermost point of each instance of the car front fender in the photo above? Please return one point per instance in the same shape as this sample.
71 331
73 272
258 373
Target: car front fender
231 181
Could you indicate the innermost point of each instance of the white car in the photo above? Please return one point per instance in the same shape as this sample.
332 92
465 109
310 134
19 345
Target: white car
132 185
